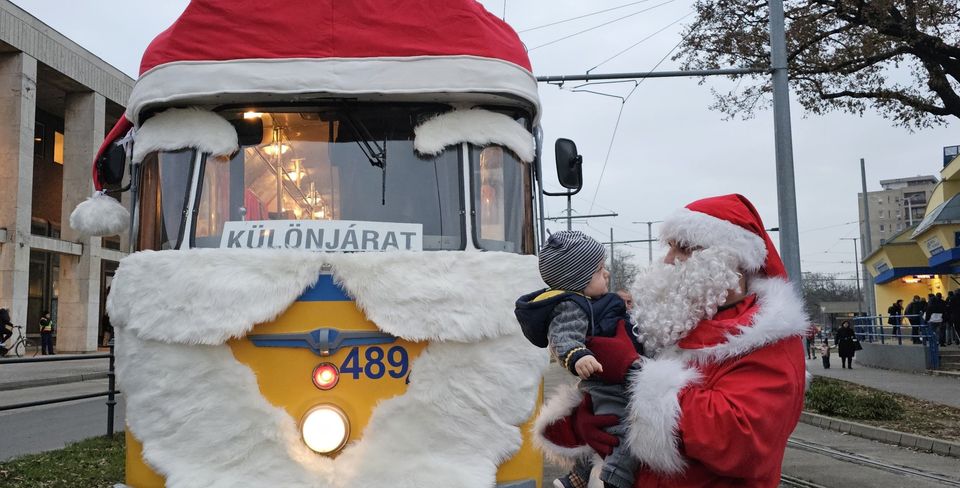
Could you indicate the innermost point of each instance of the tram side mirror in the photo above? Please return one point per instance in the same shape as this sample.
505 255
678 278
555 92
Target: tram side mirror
249 131
111 165
569 170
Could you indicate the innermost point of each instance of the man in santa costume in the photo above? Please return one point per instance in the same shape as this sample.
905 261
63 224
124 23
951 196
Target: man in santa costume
722 388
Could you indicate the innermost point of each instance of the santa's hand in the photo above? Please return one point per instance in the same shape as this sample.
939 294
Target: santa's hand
587 366
591 429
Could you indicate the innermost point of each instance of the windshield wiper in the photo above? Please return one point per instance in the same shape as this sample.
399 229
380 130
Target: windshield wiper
376 154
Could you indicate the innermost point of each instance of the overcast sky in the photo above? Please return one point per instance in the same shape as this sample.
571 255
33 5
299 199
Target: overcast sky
669 149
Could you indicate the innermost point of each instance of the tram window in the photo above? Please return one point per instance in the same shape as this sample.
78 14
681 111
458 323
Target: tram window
331 164
502 212
164 180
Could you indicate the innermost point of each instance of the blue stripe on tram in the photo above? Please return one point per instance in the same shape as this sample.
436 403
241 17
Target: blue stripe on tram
325 290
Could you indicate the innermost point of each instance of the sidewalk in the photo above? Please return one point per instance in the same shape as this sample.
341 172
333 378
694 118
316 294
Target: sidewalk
937 389
27 375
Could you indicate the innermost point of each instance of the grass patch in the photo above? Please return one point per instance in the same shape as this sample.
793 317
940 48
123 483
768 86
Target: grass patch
842 399
91 463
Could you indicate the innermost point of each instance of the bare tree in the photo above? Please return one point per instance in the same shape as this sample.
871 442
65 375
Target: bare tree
623 270
899 57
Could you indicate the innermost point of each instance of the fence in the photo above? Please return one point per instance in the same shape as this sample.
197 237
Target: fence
878 329
111 384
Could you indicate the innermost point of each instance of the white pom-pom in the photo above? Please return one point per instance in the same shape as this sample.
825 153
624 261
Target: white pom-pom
100 215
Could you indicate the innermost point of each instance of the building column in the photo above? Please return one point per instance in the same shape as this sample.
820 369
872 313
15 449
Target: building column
18 105
79 298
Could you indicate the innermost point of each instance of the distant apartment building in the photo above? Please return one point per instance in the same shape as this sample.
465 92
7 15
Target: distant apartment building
899 206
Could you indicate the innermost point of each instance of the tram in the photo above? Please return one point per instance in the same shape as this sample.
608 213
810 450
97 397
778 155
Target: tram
332 209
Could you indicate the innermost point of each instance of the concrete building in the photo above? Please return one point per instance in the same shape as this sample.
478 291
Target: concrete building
57 101
898 206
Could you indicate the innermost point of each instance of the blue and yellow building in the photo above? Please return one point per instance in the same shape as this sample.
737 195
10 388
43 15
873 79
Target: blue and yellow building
924 258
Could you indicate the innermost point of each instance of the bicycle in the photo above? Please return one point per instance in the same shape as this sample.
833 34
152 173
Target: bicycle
19 347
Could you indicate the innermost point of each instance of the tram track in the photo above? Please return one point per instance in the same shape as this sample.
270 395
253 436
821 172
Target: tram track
860 460
794 482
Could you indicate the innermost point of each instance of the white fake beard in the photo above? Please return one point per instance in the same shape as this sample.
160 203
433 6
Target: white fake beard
672 298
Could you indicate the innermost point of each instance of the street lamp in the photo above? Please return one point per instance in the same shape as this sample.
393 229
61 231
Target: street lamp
856 262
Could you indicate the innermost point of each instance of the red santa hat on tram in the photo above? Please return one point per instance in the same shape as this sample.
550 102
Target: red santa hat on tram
102 214
730 222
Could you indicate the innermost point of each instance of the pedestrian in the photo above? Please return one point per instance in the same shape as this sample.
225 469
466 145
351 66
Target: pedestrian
627 298
6 330
847 344
721 386
46 334
825 353
565 318
894 316
949 319
810 343
936 308
915 317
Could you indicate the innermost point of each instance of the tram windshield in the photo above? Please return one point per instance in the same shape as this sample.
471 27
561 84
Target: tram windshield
354 164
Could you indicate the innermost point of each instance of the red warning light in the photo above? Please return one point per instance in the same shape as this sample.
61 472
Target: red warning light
325 376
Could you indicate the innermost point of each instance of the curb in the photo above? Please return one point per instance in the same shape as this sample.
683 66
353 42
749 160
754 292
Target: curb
19 385
937 446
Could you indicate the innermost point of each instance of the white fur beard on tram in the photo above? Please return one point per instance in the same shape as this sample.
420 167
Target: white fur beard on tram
672 298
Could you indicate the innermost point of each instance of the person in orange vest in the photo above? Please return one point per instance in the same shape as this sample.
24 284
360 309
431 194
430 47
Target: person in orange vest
46 334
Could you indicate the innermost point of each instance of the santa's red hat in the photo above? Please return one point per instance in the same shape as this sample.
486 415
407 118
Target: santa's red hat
727 221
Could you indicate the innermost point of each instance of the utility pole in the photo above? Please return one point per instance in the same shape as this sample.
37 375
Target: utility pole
783 139
856 259
650 239
613 263
867 240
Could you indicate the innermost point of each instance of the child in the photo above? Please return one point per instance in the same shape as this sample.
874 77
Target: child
575 307
825 353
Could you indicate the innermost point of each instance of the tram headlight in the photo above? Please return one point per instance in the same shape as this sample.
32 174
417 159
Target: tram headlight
325 376
325 429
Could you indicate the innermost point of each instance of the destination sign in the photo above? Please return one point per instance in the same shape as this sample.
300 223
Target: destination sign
322 235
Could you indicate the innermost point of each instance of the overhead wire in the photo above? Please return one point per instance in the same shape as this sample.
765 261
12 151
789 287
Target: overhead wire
613 137
551 24
599 26
611 58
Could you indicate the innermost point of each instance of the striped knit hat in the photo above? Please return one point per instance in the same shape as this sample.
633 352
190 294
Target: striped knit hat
569 259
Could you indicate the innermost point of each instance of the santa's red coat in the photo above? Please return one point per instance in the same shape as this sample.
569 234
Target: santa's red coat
716 409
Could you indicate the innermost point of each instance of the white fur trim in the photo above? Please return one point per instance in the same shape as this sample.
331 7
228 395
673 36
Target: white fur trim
564 400
699 229
100 215
223 293
655 412
214 82
201 417
780 316
179 128
476 126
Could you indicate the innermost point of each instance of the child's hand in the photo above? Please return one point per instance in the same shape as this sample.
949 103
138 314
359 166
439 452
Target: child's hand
587 366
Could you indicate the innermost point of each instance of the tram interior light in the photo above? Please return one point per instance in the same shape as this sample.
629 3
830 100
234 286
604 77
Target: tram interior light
325 429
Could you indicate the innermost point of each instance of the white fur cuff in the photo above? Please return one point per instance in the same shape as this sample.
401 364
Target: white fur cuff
480 127
179 128
699 229
654 413
563 402
100 215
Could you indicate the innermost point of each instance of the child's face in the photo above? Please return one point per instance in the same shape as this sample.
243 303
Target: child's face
598 282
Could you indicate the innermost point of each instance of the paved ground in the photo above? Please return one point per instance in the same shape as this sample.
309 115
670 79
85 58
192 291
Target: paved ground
47 427
15 376
937 389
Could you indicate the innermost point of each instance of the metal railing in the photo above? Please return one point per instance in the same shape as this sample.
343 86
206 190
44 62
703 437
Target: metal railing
111 392
878 329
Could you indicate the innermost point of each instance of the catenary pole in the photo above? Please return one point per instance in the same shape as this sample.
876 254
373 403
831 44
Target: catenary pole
786 188
867 242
